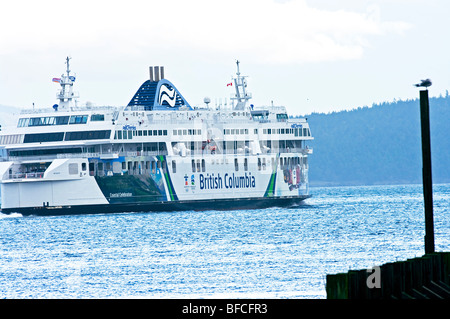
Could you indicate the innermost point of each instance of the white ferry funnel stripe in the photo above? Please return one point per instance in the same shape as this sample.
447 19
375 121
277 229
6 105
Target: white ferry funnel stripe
167 95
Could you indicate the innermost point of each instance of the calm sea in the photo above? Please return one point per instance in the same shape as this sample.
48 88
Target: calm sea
269 253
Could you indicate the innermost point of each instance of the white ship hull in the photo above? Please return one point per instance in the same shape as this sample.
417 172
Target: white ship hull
216 183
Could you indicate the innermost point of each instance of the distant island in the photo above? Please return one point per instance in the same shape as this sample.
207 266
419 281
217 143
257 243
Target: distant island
380 144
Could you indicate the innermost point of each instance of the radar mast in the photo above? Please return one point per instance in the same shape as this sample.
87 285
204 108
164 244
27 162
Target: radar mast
241 95
66 95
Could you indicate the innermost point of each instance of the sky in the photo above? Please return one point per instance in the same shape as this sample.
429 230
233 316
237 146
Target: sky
307 55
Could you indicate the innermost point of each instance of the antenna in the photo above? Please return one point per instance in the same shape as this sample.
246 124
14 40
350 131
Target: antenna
68 68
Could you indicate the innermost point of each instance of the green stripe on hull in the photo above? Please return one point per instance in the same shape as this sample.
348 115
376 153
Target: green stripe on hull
172 194
270 191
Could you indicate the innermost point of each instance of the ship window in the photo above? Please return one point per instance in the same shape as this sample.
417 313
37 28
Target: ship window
83 166
43 137
21 123
87 135
153 167
203 166
282 117
193 166
130 135
245 164
264 163
259 164
236 165
139 133
125 135
164 132
119 135
73 169
174 167
175 132
145 132
305 132
198 165
184 132
124 165
62 120
43 121
78 119
97 117
155 132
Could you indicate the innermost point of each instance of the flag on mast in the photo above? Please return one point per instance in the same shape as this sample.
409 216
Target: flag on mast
230 84
57 80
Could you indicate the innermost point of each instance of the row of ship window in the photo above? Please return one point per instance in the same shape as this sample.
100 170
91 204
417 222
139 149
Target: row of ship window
58 120
67 136
197 165
295 131
119 135
128 134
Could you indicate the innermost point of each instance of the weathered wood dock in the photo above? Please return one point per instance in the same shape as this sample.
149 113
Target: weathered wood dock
426 277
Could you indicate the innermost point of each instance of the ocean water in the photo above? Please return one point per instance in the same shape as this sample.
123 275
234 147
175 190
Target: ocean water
268 253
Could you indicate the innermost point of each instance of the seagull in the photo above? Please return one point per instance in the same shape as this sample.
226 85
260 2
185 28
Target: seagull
425 83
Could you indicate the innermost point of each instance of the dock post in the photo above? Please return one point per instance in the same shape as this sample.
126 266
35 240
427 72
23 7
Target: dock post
426 172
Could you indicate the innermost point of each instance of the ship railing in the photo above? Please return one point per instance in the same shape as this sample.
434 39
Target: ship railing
199 121
72 108
26 175
77 155
304 151
84 155
143 153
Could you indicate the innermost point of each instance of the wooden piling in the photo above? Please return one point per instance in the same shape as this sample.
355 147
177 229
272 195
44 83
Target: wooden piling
426 171
426 277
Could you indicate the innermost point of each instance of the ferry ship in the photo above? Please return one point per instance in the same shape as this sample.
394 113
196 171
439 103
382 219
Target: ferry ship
158 153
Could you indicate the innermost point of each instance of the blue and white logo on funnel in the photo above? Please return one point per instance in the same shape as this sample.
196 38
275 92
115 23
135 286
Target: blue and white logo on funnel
167 94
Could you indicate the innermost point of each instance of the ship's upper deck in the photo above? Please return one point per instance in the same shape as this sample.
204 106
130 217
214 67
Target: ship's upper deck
156 113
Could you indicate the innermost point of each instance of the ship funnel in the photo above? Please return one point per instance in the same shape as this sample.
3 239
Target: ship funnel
151 73
156 73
